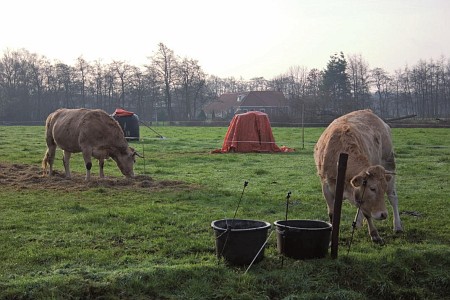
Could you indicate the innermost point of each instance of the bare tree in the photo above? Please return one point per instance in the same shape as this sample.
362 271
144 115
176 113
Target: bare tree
381 80
83 69
37 65
31 86
8 79
165 62
109 86
315 103
153 92
298 75
122 70
137 89
98 79
191 79
358 70
65 77
258 84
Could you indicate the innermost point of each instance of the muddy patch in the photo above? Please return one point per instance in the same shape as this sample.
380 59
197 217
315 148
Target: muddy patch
22 176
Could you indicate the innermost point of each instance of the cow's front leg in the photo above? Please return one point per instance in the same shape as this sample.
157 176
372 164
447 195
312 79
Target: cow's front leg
373 232
66 162
101 164
100 155
359 219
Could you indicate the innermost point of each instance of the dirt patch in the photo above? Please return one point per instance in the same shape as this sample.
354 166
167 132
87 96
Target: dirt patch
21 176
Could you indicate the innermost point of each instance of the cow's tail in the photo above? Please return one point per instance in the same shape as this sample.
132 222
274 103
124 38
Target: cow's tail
45 161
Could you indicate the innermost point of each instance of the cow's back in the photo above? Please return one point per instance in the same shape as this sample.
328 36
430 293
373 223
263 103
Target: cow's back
362 135
71 129
102 131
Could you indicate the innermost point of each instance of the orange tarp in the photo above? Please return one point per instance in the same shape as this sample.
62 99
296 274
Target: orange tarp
250 132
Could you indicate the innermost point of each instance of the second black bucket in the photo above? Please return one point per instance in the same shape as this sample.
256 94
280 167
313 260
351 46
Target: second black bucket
303 239
238 241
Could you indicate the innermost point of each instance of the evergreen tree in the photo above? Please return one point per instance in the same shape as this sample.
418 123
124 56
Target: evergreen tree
336 85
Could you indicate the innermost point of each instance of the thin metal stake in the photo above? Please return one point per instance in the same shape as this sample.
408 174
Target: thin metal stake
357 214
239 203
284 235
287 204
228 229
353 229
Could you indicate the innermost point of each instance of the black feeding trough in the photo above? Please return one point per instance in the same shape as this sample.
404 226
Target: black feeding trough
303 239
129 122
240 242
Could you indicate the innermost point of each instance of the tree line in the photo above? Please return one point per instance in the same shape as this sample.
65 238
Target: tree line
171 87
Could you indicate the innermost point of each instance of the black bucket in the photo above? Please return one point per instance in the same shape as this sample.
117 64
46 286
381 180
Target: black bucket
303 239
238 241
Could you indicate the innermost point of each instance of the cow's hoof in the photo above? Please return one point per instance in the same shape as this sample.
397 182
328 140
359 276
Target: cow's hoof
377 240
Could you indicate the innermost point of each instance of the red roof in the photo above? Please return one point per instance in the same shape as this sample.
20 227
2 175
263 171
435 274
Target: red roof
264 99
224 102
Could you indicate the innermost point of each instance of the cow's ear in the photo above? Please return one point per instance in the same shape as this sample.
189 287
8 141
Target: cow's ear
357 181
135 153
388 177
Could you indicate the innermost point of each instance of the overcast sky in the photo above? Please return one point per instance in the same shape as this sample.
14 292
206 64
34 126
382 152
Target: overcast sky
239 38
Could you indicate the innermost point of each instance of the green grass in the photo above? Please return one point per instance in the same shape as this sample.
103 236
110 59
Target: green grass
124 243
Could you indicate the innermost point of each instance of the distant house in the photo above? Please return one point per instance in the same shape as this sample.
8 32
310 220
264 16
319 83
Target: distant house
274 104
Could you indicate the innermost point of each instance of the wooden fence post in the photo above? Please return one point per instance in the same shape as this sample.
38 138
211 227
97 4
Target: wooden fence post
340 181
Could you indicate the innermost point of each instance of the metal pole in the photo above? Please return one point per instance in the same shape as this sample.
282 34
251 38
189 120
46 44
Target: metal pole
143 153
303 126
340 181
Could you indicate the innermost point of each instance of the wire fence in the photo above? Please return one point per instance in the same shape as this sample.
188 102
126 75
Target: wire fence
415 123
206 146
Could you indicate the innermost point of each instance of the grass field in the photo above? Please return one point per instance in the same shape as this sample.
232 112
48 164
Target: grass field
151 238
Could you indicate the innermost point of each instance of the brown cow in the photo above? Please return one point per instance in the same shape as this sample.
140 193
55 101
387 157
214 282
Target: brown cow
370 167
92 132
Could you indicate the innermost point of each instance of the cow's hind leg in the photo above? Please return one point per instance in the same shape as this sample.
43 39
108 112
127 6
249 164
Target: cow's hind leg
49 159
393 199
329 197
391 192
66 162
49 156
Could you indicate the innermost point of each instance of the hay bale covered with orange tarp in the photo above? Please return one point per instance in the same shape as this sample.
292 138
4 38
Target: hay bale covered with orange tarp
250 132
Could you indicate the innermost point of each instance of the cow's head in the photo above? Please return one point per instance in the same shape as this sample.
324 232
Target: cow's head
125 161
369 188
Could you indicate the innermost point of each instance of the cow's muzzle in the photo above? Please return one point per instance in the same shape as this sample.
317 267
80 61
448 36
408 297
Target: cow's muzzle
381 215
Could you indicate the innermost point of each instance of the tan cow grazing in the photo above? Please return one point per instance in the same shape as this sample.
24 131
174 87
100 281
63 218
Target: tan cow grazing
370 167
92 132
